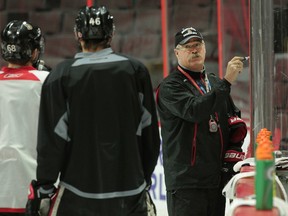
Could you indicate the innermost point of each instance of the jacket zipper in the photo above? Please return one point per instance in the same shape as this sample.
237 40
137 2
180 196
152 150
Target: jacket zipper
220 133
193 153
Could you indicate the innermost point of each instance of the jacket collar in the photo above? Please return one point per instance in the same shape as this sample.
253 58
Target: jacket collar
193 74
100 53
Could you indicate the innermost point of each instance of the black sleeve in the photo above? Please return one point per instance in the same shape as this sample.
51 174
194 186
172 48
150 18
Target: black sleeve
150 139
52 128
234 109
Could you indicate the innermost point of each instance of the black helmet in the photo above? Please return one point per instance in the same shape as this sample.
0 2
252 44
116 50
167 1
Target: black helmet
94 23
19 39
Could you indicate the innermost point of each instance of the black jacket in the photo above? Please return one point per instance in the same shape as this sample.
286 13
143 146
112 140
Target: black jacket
192 155
98 126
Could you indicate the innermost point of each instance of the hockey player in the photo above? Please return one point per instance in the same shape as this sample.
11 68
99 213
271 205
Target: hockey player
20 87
98 129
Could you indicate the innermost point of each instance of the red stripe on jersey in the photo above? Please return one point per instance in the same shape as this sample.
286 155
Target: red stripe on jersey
12 210
21 73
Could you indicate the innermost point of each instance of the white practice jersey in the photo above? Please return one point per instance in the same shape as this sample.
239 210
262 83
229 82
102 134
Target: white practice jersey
20 91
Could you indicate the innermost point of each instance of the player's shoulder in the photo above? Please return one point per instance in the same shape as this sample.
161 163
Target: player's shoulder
40 74
133 60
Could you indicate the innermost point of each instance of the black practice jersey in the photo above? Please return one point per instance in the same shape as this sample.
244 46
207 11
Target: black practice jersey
98 126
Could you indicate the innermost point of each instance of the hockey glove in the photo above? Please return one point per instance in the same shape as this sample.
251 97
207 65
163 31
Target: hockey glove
39 199
233 154
151 208
238 129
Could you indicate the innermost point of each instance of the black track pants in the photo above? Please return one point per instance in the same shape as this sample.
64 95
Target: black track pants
194 202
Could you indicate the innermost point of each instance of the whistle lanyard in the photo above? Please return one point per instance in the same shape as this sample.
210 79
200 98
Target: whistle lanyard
206 81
